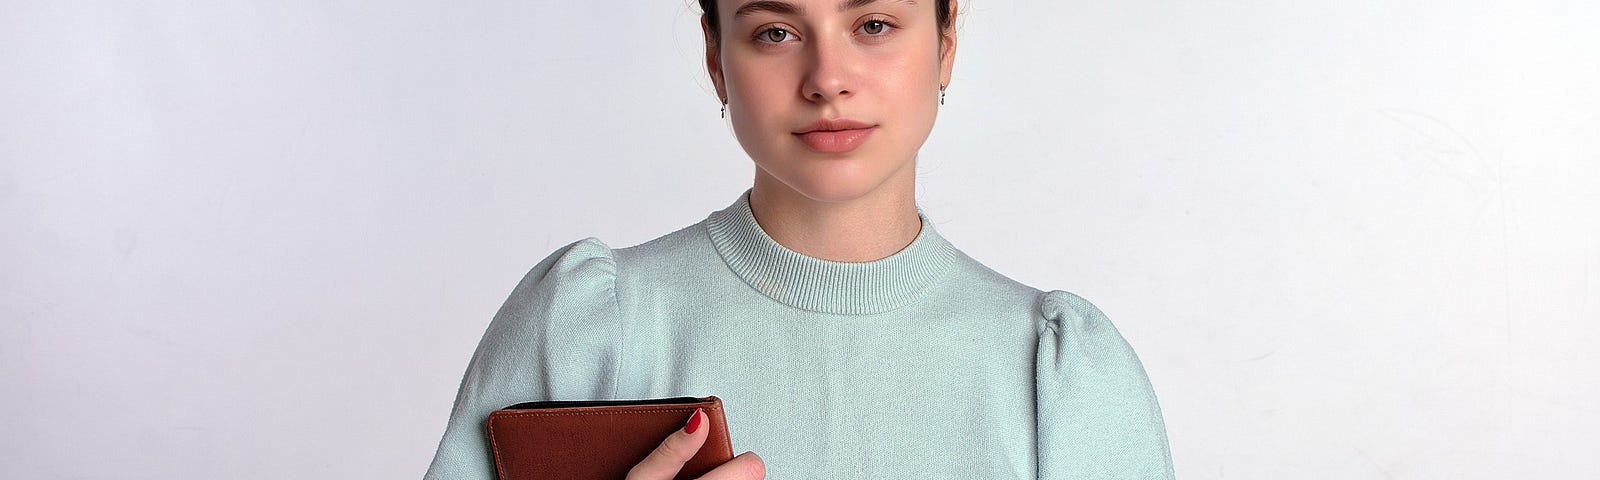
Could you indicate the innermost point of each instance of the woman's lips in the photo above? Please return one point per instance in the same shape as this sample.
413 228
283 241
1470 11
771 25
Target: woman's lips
839 141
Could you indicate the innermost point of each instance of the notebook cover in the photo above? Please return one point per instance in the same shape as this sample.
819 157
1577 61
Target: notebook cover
599 439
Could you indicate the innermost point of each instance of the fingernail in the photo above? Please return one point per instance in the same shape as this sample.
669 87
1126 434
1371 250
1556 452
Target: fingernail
694 422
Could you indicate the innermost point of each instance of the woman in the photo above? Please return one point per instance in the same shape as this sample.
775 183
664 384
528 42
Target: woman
846 338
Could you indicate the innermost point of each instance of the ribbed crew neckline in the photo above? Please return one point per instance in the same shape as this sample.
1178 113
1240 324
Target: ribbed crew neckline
818 285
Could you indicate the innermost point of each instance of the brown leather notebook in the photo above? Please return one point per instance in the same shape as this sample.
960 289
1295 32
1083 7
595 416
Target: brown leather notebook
599 439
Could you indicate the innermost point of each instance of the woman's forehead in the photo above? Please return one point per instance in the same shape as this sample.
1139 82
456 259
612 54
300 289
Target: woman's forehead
743 8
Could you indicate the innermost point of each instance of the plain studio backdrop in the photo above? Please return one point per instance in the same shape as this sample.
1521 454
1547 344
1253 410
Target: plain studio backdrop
1349 239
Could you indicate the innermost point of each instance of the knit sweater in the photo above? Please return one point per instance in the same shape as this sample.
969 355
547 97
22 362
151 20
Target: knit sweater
924 364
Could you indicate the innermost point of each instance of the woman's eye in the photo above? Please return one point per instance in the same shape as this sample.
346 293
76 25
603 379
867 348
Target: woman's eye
874 27
779 35
774 35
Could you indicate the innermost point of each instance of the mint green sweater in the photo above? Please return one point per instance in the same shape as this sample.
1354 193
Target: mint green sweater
922 365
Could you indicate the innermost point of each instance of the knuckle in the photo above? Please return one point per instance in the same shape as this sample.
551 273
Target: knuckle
675 451
636 472
755 468
639 472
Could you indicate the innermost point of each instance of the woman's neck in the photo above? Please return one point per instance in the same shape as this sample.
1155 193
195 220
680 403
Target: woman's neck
862 229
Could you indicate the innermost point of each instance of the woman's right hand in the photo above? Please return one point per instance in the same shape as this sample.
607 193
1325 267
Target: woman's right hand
680 446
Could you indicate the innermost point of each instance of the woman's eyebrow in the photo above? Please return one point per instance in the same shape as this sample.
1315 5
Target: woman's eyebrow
780 8
854 4
786 8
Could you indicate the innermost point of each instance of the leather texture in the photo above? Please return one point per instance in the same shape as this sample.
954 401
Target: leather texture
599 440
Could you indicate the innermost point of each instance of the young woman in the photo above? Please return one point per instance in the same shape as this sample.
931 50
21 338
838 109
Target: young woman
846 338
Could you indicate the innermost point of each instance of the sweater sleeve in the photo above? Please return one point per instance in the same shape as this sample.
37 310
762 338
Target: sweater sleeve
557 337
1097 412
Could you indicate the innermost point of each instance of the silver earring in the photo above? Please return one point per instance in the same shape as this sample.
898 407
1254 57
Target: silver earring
724 109
941 94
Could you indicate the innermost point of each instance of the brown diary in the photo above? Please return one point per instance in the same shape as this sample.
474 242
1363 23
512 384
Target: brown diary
598 439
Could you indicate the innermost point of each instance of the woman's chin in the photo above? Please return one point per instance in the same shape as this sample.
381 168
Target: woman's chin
839 185
832 178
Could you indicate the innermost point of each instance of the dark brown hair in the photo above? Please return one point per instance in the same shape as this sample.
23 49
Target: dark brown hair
709 9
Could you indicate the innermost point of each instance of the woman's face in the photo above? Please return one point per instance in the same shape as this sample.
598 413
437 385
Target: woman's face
785 65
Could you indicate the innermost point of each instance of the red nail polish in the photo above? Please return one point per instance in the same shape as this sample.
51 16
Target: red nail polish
694 422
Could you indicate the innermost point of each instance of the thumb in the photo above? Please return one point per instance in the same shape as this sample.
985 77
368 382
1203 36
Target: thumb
667 459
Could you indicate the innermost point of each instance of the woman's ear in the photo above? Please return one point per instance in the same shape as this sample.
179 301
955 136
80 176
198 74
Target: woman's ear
713 59
947 47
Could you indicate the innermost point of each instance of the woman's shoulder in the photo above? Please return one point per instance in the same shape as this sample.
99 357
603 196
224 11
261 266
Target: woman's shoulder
575 284
579 275
583 259
591 270
1055 312
594 256
1062 312
688 242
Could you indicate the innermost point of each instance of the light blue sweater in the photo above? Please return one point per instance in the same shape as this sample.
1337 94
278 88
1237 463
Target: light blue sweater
922 365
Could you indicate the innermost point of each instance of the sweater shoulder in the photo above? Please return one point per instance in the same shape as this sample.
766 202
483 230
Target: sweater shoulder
588 262
977 282
666 254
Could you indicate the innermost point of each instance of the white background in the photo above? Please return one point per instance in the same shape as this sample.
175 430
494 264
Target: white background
1351 239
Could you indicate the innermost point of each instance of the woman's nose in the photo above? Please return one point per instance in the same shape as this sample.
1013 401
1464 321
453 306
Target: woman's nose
831 70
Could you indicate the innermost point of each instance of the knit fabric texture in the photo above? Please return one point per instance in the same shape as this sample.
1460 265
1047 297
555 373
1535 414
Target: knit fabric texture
925 364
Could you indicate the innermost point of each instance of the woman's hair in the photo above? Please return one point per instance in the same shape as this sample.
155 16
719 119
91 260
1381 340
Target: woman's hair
709 7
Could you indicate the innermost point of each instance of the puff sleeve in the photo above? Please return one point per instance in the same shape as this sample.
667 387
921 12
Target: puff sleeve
1097 413
556 337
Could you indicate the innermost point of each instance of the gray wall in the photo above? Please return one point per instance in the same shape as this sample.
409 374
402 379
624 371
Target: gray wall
1349 239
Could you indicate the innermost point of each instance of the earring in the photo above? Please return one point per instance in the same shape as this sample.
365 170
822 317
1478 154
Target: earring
941 94
724 108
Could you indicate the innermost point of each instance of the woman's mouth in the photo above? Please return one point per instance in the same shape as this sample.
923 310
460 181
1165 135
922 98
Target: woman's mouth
837 138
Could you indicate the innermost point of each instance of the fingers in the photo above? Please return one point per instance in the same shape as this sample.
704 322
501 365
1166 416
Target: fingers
664 462
746 466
